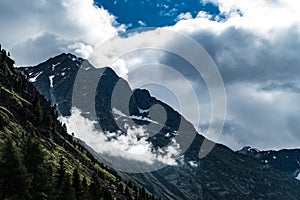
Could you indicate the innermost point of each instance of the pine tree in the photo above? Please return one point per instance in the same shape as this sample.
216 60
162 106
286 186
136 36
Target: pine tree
76 184
107 195
127 193
84 188
66 191
142 193
94 188
39 111
34 161
13 175
2 121
60 173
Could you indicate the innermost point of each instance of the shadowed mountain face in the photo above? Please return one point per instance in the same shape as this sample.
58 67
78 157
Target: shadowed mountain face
284 160
223 174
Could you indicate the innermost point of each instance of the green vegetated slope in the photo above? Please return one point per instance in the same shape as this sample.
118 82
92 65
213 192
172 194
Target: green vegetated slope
38 158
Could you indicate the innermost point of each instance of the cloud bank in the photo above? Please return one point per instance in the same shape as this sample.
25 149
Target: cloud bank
35 30
128 150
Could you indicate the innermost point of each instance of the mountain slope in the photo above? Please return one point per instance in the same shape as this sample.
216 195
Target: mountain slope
42 151
285 160
223 174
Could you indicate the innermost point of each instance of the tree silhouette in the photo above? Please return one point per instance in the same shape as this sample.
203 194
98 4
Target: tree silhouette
94 189
76 184
66 192
13 175
60 173
34 162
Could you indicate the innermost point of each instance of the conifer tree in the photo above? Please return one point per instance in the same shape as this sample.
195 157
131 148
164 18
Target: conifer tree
84 188
127 193
66 192
76 184
107 195
60 173
13 175
2 122
95 188
34 161
39 111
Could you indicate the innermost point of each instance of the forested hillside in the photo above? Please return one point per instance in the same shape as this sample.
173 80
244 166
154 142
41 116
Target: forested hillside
38 158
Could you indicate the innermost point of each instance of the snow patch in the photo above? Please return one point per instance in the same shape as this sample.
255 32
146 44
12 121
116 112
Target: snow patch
168 135
118 112
54 65
298 177
193 163
143 111
143 119
34 78
51 80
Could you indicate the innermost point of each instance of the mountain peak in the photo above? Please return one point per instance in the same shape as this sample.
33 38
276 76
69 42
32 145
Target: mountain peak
66 56
110 72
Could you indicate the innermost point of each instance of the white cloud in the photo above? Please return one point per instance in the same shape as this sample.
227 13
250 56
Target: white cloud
120 68
184 16
265 15
142 23
255 46
203 14
261 118
33 31
125 148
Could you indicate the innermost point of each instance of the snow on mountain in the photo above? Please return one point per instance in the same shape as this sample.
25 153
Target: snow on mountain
33 79
51 80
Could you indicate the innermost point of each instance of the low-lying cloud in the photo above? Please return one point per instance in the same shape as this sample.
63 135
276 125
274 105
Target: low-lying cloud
130 148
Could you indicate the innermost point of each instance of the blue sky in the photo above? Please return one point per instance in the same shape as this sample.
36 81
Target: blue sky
154 13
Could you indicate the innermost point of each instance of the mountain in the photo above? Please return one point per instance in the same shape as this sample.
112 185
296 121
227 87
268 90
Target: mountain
38 158
62 71
222 174
286 160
